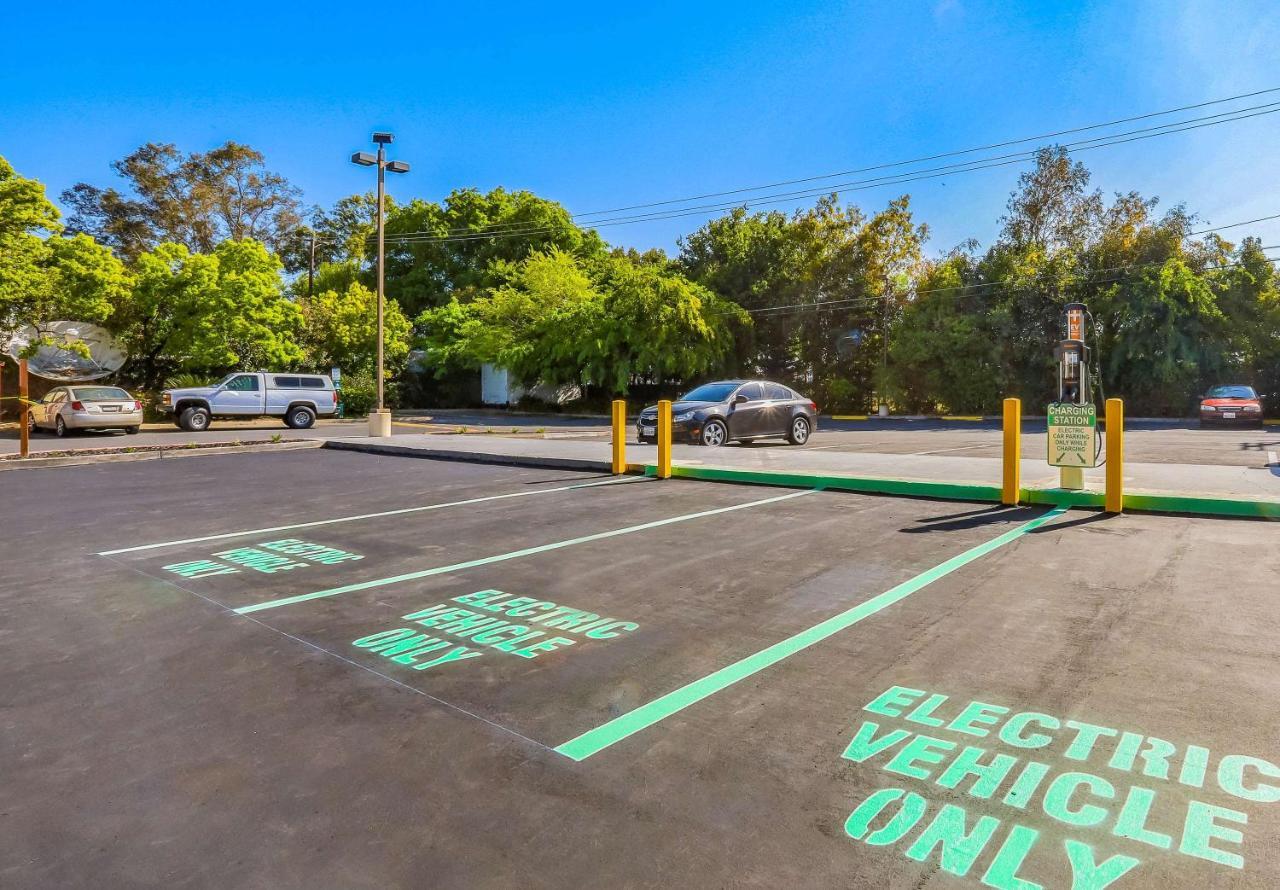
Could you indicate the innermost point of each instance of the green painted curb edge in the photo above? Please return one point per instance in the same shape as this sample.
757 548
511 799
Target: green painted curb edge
961 491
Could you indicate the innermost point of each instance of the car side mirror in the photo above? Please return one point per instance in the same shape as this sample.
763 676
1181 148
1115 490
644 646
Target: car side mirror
740 399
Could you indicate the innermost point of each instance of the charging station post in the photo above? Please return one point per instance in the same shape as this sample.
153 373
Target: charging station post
1073 418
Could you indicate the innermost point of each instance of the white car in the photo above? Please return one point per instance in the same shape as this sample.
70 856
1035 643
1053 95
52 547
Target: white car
85 407
297 399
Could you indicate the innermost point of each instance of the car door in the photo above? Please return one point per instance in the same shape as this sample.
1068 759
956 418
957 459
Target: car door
778 410
241 395
47 408
746 418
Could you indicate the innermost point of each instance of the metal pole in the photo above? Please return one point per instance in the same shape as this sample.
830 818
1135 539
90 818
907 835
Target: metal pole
24 411
382 163
311 269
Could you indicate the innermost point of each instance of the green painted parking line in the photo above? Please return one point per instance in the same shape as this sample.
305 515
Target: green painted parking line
361 516
596 740
514 554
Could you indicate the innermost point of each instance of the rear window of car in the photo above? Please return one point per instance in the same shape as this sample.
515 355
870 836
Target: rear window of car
286 382
313 383
1232 392
100 393
777 392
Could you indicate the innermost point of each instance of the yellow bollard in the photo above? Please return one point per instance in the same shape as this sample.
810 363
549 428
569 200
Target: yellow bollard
664 439
1012 487
619 436
1115 456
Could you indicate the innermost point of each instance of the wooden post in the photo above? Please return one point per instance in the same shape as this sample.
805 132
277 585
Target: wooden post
24 434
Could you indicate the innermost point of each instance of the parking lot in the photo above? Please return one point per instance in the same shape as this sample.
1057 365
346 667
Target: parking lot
334 669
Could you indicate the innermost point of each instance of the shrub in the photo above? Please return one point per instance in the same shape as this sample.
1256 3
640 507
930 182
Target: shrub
360 394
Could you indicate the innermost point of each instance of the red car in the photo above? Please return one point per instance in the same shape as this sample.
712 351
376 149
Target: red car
1231 404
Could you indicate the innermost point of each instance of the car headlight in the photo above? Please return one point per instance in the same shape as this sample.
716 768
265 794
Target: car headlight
1207 408
681 418
1252 408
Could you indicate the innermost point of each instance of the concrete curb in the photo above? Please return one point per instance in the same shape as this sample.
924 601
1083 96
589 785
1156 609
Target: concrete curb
1139 502
155 453
472 457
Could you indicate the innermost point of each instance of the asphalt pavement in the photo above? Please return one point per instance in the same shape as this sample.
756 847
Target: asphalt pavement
333 669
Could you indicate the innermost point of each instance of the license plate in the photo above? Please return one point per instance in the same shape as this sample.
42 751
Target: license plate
115 408
1229 415
647 431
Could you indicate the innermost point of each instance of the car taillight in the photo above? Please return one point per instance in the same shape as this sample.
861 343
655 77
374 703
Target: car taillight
137 406
77 406
335 397
814 406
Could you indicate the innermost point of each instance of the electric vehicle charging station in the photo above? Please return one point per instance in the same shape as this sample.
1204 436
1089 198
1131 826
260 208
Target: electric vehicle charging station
1073 418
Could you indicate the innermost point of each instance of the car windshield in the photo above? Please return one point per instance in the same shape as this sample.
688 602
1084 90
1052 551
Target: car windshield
100 393
710 392
1232 392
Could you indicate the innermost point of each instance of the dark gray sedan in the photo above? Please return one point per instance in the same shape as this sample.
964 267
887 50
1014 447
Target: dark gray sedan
735 410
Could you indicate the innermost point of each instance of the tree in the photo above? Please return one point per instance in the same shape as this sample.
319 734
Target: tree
340 330
197 200
467 244
45 277
341 235
605 324
208 312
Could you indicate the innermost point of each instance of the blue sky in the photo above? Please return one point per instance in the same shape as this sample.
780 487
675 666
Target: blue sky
603 105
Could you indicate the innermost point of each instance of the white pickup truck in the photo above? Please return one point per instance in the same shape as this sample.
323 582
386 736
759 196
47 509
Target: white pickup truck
298 399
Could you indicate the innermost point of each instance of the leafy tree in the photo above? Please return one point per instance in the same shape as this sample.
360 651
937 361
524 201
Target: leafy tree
557 321
468 244
340 330
342 235
208 312
197 200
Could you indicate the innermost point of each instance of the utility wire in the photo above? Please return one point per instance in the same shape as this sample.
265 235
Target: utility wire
525 229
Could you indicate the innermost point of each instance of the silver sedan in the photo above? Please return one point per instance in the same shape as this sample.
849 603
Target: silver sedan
85 407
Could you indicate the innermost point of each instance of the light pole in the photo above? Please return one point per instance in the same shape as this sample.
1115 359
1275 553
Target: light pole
380 417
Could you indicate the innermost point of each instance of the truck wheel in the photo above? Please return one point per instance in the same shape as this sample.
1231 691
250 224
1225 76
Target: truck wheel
194 420
300 418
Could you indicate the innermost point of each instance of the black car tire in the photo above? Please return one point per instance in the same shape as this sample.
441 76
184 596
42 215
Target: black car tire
132 430
194 420
714 434
799 432
60 428
300 418
32 429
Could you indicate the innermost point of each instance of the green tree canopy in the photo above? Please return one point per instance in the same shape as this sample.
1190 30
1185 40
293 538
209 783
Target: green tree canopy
340 330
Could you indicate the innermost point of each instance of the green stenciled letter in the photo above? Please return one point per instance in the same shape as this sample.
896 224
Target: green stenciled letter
865 744
1132 821
959 848
1088 874
1231 778
989 776
1003 871
383 636
1200 828
891 702
977 712
921 712
1057 799
909 813
921 748
1086 734
1011 732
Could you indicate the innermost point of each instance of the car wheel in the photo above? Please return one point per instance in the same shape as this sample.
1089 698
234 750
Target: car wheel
132 430
194 420
799 432
60 428
32 429
300 418
714 433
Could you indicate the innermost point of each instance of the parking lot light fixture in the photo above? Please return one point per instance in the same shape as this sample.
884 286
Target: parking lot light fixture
380 418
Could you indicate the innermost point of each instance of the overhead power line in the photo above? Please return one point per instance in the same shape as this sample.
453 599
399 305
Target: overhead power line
526 229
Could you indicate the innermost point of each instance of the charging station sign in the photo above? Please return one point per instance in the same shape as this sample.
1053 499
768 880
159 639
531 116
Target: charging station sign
1073 435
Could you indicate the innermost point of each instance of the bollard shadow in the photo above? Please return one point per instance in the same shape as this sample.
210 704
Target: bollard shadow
1089 519
997 514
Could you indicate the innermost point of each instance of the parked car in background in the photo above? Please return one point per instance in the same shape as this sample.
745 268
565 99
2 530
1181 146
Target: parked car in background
298 399
85 407
727 410
1231 404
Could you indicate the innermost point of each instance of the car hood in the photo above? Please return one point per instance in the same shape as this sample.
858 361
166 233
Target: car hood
679 407
1230 403
190 392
